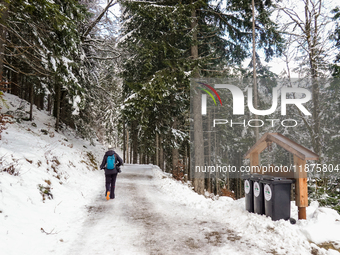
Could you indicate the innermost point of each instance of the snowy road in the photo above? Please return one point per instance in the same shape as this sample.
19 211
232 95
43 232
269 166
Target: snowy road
154 214
144 220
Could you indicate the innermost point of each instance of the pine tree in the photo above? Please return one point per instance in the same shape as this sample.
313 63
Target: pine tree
41 49
160 39
336 38
54 52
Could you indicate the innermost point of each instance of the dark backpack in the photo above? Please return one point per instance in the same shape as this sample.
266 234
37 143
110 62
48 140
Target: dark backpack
111 162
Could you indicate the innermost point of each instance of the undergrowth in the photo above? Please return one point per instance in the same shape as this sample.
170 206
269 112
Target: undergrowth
326 191
4 118
45 190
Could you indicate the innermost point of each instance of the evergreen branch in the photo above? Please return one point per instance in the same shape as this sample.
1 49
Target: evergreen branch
215 71
224 17
24 55
31 46
103 58
20 71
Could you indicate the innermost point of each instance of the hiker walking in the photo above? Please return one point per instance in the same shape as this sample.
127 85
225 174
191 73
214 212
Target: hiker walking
111 164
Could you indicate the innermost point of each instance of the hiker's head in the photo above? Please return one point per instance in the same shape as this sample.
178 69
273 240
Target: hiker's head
110 147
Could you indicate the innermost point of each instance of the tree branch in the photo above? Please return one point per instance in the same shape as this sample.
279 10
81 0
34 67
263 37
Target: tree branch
95 22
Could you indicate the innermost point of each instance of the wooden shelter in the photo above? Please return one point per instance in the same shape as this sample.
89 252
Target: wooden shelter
301 154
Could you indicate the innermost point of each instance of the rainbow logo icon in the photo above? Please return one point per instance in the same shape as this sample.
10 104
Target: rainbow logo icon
209 93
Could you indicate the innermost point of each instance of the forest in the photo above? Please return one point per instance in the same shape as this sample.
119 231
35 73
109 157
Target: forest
124 77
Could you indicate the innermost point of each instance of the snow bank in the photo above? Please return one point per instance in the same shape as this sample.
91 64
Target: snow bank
46 179
322 224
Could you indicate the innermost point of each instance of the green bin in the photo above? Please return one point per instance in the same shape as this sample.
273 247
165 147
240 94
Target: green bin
277 197
259 207
248 191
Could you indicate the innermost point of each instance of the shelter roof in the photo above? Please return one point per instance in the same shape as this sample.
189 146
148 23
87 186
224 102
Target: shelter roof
283 141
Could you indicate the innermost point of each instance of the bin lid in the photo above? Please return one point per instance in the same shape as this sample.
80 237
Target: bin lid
259 177
252 176
277 180
246 176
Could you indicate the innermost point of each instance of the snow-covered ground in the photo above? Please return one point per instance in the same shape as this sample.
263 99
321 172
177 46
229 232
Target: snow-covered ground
52 202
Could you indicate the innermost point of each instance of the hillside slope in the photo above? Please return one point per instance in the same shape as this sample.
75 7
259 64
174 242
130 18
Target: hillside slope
46 179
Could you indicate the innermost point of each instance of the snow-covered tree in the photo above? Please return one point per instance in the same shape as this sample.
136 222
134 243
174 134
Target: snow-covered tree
308 33
169 42
56 56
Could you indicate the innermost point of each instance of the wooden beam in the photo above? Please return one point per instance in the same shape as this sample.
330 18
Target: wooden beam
285 143
302 213
301 192
259 146
301 188
272 172
308 154
286 146
254 160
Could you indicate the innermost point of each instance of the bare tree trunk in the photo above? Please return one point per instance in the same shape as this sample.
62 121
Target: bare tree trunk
217 184
127 146
134 142
124 140
58 95
189 164
311 27
157 150
3 18
186 175
175 157
254 72
23 87
209 154
175 154
198 129
31 101
131 153
161 153
198 144
15 88
41 101
312 41
240 182
49 103
96 21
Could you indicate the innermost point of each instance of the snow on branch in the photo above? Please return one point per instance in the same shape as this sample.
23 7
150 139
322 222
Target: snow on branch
95 22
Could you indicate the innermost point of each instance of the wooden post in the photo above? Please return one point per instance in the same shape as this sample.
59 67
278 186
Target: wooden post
302 213
254 160
301 188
